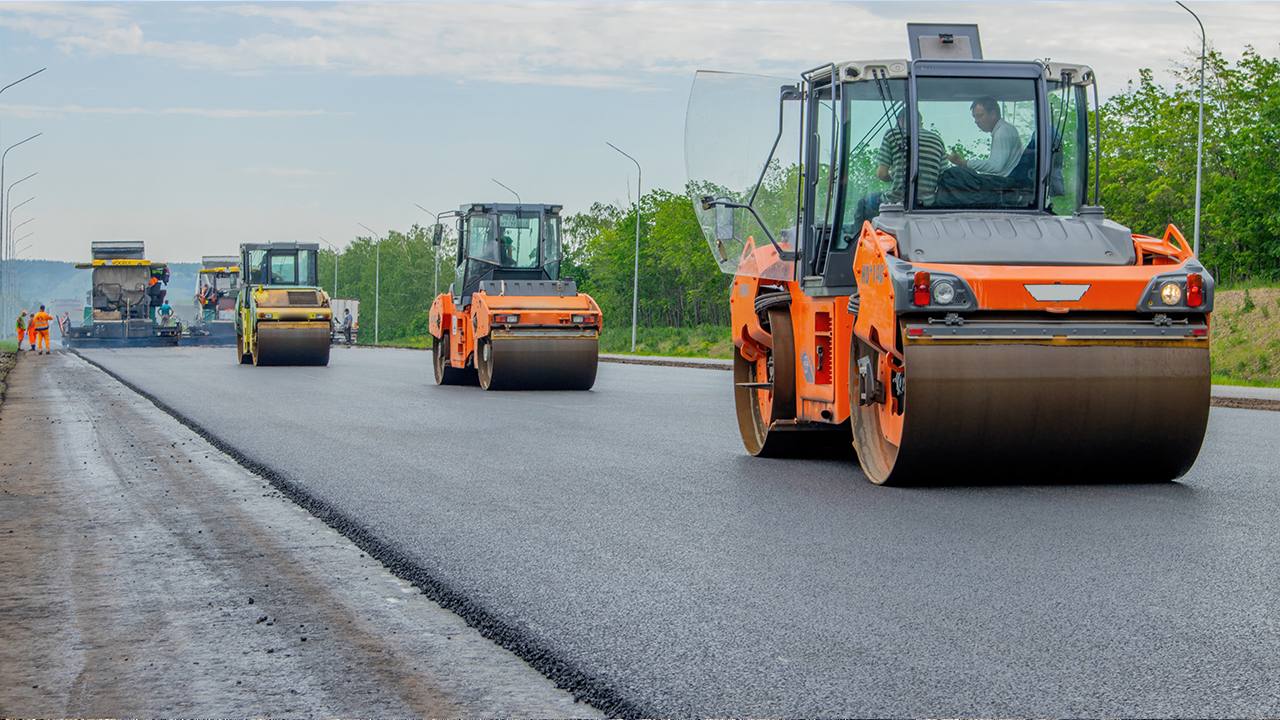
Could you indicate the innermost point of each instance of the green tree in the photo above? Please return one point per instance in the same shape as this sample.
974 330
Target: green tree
1149 155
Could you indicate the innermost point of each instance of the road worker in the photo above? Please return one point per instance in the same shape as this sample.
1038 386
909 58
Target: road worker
40 331
20 327
31 331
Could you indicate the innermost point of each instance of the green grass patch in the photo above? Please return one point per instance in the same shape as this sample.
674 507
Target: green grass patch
8 346
697 341
416 342
1245 349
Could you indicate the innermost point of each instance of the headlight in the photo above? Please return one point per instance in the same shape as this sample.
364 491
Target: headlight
943 292
1170 293
506 319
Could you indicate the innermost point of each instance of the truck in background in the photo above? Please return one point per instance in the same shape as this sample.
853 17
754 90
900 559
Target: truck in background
338 305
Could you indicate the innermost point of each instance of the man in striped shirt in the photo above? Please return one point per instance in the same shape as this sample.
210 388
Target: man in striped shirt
891 163
891 167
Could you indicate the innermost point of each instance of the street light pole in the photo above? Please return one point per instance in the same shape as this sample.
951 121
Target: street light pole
435 253
6 228
335 264
4 244
1195 242
377 277
9 230
635 271
513 192
4 239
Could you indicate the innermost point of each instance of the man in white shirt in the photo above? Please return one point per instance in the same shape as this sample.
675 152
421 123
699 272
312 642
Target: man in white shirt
1006 145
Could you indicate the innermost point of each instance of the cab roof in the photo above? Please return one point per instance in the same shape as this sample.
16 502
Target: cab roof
509 207
854 70
280 246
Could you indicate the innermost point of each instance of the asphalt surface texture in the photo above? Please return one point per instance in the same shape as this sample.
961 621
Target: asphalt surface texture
622 542
144 573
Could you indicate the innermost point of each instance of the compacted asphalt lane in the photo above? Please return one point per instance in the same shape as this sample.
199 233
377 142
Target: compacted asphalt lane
623 543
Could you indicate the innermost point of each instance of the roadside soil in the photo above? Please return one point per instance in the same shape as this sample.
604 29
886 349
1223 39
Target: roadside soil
7 361
144 573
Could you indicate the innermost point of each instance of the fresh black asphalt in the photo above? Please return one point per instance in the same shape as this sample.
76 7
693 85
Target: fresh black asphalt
623 543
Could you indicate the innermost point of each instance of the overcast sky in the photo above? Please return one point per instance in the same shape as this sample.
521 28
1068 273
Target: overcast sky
196 127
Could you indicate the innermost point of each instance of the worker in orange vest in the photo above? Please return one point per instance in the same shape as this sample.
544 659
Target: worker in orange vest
21 328
40 330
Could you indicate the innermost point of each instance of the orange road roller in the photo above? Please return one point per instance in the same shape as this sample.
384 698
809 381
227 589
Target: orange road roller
916 268
510 322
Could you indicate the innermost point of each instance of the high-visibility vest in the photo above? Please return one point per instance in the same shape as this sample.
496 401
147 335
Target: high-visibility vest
40 323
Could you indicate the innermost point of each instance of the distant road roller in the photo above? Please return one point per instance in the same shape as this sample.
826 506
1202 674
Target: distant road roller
510 322
282 316
917 270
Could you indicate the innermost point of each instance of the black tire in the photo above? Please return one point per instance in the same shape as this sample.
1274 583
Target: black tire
445 373
484 363
245 357
877 456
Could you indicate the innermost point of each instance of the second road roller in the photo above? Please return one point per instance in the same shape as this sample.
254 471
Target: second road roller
282 316
922 265
510 322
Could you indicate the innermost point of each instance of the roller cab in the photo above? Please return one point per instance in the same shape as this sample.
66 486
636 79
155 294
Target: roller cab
282 317
511 322
918 273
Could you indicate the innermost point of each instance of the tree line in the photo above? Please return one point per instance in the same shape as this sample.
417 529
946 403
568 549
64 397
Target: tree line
1148 180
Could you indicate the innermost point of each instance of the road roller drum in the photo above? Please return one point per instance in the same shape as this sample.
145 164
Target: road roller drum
286 343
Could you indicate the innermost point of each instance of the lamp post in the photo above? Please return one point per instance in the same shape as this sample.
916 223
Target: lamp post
1195 242
513 192
377 277
635 271
9 230
335 263
4 244
4 239
435 253
6 227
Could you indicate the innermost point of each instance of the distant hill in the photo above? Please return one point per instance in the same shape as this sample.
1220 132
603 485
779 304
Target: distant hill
44 281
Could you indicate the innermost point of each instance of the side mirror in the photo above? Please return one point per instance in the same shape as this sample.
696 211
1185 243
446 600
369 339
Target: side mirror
437 234
724 223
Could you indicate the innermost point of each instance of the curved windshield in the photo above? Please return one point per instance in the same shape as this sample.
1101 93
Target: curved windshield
731 127
877 167
282 267
518 237
977 145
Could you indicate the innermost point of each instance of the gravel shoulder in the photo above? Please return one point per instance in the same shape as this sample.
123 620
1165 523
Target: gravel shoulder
145 573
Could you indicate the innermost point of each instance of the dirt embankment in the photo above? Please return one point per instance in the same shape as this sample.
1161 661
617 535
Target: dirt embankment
1246 335
7 361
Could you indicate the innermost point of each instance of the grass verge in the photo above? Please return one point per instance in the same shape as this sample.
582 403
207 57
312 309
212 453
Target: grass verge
1246 337
698 341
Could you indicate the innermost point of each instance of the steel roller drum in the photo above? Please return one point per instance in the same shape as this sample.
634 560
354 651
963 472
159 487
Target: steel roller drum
538 362
1133 411
283 343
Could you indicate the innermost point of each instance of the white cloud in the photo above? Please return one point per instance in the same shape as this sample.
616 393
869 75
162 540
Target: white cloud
39 111
629 44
